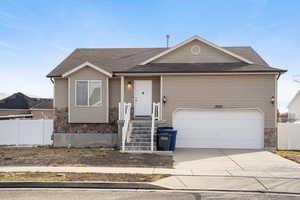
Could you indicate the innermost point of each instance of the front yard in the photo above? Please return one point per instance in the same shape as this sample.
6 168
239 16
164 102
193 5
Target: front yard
291 155
47 156
82 177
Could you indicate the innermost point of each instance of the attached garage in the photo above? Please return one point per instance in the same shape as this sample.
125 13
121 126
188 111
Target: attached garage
236 128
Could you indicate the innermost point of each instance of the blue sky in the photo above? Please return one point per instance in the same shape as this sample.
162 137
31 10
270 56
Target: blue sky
36 35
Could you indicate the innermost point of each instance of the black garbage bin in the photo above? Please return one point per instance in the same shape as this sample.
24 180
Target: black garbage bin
163 141
157 138
172 134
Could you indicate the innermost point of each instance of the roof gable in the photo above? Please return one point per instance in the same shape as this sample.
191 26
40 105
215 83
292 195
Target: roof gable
224 51
87 64
109 59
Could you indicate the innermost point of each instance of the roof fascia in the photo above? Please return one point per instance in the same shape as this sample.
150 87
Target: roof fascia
85 65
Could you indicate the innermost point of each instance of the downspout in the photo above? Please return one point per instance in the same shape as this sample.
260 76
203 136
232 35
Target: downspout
51 79
278 76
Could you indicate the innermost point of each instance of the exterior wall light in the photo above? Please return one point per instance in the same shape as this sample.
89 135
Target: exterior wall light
272 100
129 85
164 99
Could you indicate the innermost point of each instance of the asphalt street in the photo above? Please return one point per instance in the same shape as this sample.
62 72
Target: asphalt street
93 194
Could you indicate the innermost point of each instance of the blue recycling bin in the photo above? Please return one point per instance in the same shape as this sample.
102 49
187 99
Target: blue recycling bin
173 134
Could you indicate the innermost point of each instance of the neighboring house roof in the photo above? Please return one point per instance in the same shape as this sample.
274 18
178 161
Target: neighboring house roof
294 99
21 101
125 59
44 104
200 68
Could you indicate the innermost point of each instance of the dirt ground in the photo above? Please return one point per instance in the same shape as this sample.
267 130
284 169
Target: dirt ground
83 177
47 156
291 155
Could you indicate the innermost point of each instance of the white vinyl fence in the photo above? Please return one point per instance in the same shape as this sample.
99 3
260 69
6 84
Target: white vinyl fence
289 136
26 132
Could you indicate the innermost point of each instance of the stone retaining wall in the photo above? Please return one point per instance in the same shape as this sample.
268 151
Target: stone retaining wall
270 138
108 140
61 124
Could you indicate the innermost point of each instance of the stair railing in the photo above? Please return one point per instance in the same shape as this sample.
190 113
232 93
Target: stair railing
127 114
155 116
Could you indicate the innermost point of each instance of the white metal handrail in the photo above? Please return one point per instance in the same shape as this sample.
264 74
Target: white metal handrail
127 114
155 116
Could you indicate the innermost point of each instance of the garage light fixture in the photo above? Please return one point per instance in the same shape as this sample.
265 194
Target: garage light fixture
164 100
272 100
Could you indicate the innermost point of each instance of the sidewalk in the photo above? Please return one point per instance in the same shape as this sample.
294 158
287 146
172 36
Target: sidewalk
218 183
232 180
282 173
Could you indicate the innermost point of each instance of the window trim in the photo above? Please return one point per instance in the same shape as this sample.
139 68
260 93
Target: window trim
88 93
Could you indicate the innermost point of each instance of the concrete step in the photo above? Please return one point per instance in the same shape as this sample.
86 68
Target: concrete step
137 149
142 128
141 135
137 139
143 118
139 144
141 131
146 123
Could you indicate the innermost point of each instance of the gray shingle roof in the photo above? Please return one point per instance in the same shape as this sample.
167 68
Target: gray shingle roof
248 53
123 59
109 59
201 68
43 104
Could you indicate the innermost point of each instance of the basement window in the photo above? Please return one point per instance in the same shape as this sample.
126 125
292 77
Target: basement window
88 93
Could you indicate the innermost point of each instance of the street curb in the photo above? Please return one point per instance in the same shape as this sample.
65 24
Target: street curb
87 185
120 185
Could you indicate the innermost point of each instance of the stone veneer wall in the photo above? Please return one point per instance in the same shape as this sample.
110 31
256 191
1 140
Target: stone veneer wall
61 124
270 138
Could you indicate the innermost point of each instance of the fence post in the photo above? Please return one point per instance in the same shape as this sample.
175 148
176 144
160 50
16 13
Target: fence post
18 132
43 136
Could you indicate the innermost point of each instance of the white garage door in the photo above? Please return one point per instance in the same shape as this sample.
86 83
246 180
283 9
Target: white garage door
241 129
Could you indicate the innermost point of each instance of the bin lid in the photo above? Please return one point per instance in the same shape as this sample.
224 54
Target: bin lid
167 131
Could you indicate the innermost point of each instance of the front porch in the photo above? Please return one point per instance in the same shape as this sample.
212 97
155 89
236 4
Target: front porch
141 92
140 113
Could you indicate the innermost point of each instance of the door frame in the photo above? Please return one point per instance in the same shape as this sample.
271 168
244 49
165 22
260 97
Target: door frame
134 98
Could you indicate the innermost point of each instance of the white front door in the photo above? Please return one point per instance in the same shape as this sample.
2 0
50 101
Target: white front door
142 97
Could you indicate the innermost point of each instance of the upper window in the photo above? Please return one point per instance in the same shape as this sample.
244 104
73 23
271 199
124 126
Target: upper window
88 92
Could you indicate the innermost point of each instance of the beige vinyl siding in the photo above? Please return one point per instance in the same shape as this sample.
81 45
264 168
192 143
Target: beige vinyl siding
114 92
230 91
60 93
129 93
88 114
207 54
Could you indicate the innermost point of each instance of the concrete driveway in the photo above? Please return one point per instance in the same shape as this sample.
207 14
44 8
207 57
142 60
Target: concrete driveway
235 162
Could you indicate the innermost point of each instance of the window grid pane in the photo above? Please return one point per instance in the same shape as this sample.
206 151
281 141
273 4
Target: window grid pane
88 93
82 93
95 95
